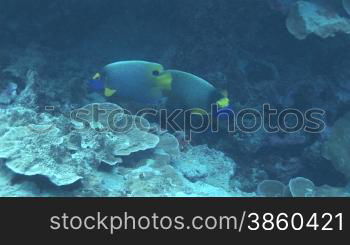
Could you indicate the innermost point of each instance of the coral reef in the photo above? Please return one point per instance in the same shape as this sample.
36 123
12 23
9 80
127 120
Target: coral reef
317 18
61 155
157 177
336 148
193 164
271 188
299 187
65 150
8 94
302 187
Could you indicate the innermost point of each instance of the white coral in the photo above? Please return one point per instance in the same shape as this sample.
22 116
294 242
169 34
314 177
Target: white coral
313 17
64 156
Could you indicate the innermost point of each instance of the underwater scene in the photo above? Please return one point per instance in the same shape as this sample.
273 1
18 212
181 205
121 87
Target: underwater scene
175 98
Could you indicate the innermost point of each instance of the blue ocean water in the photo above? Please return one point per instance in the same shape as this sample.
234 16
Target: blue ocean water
175 98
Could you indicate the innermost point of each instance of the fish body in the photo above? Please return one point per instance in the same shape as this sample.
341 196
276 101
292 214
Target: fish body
139 81
194 93
148 83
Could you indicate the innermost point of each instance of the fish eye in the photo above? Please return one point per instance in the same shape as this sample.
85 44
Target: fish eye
156 73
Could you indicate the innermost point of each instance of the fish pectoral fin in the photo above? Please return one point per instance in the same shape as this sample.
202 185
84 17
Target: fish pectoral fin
109 92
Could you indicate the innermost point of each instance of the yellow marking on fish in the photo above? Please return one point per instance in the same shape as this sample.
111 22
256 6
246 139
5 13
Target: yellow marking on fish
109 92
96 76
164 81
224 102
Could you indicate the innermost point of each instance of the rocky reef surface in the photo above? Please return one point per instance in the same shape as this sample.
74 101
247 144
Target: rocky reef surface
46 155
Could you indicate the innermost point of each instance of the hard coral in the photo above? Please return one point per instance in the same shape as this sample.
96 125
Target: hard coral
319 18
302 187
64 156
336 148
207 165
271 188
